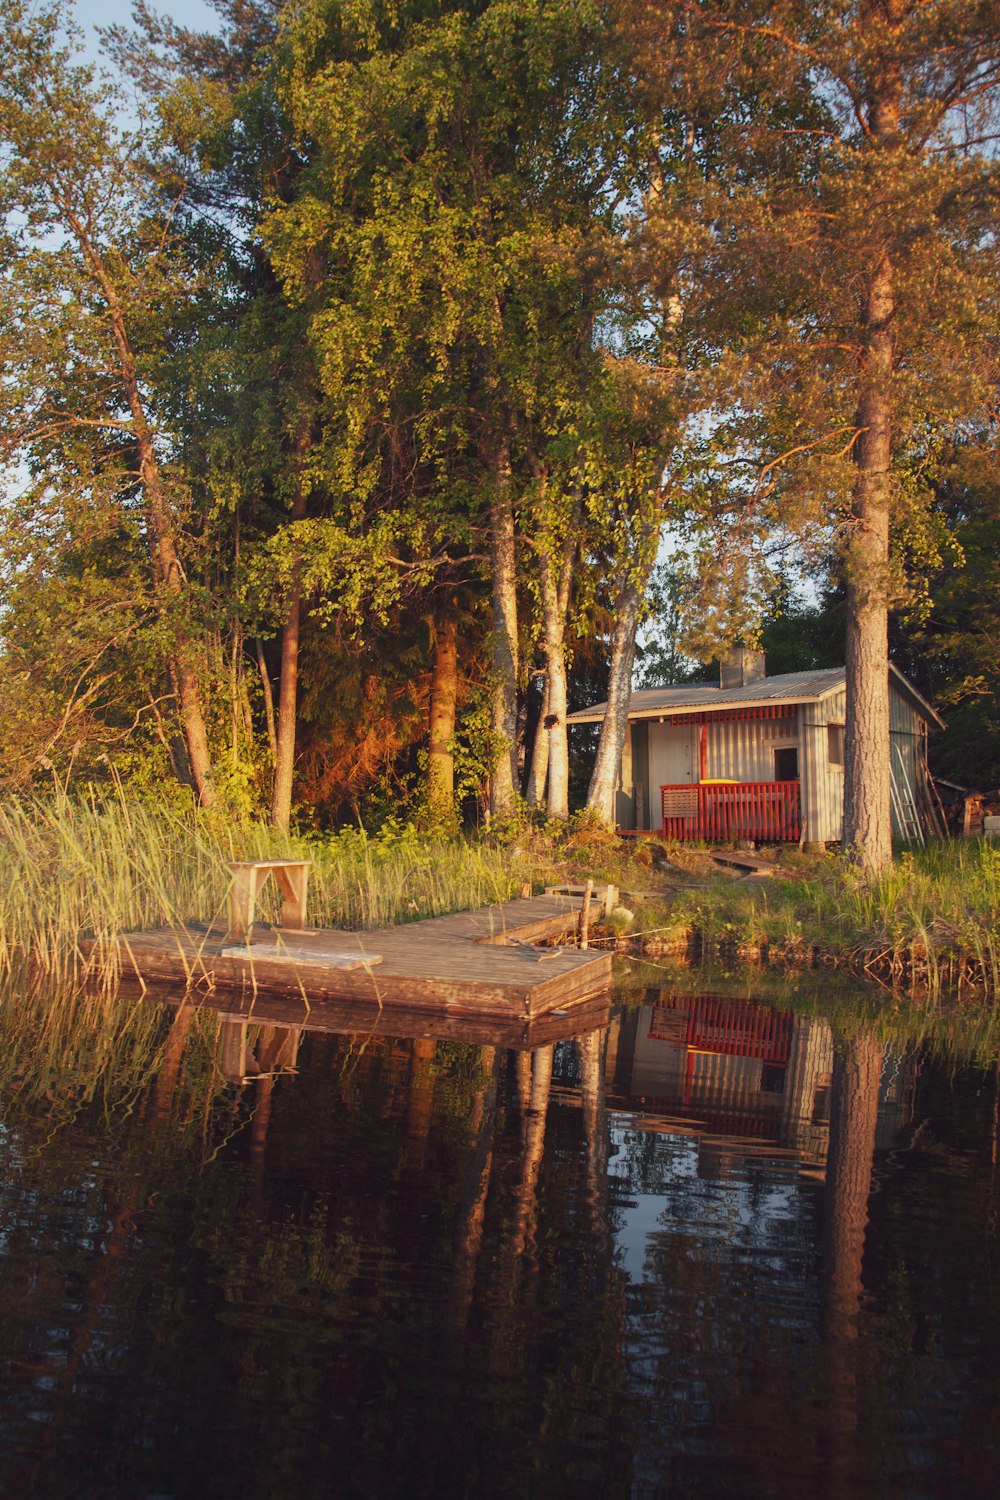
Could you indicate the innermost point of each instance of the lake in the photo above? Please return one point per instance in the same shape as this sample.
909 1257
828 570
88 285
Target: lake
707 1246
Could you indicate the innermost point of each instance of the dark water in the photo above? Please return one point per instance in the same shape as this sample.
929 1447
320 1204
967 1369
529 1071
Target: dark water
708 1248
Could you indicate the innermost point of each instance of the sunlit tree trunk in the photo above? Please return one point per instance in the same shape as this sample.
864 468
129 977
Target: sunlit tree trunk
607 765
867 807
867 744
168 574
539 769
288 691
504 637
555 589
444 698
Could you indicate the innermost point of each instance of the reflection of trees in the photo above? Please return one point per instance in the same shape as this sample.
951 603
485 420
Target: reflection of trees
420 1102
857 1070
338 1321
523 1231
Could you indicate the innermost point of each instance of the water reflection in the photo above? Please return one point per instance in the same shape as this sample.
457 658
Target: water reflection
726 1068
700 1246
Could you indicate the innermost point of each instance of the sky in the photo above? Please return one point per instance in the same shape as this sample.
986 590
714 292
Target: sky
91 13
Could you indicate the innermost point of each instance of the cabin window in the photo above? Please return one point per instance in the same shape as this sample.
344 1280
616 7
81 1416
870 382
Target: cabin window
835 744
772 1079
786 763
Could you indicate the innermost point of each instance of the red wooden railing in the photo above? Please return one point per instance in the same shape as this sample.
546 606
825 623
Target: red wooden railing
717 812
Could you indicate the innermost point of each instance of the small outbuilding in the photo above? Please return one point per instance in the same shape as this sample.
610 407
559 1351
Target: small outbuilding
760 757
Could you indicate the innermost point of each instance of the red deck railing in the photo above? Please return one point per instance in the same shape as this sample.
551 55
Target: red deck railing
717 812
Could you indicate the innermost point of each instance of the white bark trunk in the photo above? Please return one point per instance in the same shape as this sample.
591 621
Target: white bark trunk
607 765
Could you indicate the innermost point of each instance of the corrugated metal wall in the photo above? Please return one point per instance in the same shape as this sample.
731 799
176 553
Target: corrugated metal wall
743 750
822 781
906 735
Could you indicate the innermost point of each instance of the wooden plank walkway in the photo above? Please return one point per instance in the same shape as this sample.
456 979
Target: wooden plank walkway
740 859
473 963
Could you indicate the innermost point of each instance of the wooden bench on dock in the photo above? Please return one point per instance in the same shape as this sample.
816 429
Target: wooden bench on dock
249 876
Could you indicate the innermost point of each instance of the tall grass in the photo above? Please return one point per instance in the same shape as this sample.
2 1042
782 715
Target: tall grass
931 920
72 869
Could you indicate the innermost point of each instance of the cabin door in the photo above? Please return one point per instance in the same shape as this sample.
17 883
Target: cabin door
672 758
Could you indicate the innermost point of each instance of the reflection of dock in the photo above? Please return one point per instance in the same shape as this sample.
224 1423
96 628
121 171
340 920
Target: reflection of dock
727 1067
351 1018
480 963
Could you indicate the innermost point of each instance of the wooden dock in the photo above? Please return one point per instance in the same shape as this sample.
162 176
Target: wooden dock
287 1014
478 963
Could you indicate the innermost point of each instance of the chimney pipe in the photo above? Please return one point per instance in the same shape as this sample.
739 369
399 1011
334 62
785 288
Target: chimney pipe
740 666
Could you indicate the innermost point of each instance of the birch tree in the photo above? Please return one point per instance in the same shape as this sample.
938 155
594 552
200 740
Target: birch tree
92 271
456 199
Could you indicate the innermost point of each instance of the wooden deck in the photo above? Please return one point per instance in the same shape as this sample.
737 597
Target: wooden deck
479 963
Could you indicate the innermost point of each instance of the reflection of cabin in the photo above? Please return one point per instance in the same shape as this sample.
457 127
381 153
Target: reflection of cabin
758 757
730 1066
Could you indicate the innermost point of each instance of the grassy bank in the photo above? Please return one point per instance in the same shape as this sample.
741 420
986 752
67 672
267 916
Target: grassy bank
72 868
930 923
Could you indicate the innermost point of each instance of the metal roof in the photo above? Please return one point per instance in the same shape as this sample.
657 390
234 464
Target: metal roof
785 687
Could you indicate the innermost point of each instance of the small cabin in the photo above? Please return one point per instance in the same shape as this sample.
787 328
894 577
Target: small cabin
760 757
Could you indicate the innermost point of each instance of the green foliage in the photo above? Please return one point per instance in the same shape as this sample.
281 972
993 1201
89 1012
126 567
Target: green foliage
933 915
372 262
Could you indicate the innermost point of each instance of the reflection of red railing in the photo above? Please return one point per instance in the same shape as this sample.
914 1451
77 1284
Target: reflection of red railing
732 810
740 1029
737 1028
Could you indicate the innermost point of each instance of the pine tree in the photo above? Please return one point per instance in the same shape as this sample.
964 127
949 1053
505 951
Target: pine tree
842 265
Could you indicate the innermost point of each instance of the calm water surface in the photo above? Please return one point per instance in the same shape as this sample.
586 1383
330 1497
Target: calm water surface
705 1248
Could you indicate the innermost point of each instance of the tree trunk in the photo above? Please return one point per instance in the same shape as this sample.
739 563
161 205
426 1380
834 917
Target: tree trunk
265 682
166 564
288 693
555 601
604 778
504 642
867 810
444 697
867 815
168 574
539 768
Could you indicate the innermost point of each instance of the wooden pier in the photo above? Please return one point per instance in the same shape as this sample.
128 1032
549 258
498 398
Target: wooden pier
478 963
246 1015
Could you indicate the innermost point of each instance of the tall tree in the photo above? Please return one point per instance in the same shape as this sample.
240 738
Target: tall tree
456 199
846 187
93 275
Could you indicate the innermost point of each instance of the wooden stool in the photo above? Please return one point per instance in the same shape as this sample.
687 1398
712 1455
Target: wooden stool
249 875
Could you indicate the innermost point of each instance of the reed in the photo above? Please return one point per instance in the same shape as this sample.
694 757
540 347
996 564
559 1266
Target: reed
931 921
102 867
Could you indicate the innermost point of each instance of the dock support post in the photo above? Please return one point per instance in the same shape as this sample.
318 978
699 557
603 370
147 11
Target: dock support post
585 916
